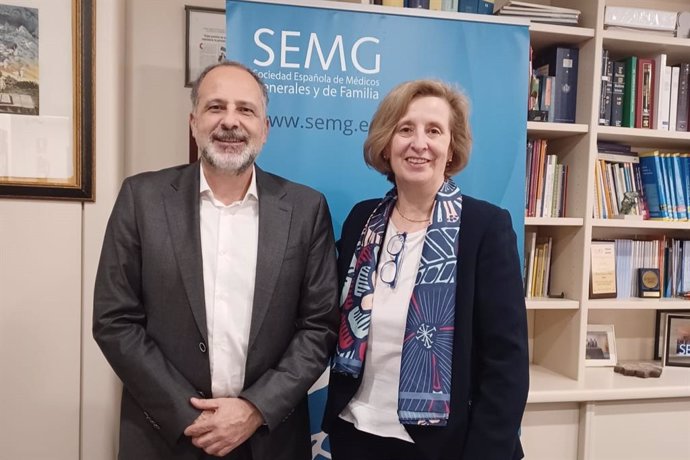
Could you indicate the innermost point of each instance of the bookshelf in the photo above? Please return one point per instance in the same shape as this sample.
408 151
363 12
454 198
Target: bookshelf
575 411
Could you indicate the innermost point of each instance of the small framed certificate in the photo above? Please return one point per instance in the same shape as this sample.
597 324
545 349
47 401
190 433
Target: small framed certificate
205 40
602 280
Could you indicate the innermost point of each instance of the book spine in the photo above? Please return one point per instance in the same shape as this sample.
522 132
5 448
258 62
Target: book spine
662 176
644 94
685 176
467 6
660 106
679 186
629 92
663 104
669 185
617 92
485 6
673 101
682 115
602 92
651 186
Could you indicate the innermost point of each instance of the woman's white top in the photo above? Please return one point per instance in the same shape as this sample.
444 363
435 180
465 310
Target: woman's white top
374 408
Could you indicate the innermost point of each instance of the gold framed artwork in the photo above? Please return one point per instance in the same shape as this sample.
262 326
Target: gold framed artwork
47 71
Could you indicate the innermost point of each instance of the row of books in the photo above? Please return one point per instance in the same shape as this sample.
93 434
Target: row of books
463 6
670 256
648 184
616 182
618 187
536 12
553 85
546 182
644 93
666 184
537 264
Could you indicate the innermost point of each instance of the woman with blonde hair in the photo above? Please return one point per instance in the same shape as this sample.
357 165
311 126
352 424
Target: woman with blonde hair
432 360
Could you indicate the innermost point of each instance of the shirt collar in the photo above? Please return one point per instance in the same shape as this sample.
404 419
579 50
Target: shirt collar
251 194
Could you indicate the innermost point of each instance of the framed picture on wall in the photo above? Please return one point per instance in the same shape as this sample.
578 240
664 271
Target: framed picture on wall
205 40
677 340
600 348
660 330
47 99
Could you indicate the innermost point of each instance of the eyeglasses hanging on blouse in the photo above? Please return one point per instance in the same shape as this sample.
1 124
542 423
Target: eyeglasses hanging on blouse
389 270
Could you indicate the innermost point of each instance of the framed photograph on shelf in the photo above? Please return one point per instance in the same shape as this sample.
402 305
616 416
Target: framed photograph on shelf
47 99
602 278
677 340
205 40
600 348
660 329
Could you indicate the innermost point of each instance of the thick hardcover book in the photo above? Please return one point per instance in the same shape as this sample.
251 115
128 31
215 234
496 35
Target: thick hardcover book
629 92
605 90
561 63
644 102
682 112
617 93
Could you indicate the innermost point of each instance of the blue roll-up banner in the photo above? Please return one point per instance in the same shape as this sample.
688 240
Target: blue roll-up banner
328 65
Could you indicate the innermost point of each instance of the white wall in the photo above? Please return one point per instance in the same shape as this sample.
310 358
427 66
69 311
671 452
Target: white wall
157 103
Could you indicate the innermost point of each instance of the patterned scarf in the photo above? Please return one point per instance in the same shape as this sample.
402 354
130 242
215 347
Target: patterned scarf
427 349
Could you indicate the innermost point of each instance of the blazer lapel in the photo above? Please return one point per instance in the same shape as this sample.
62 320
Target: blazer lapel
274 227
181 203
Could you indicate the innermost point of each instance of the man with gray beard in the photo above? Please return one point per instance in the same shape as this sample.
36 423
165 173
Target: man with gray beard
216 298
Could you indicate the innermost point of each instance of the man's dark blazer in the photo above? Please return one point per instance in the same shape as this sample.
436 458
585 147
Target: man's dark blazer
150 317
490 376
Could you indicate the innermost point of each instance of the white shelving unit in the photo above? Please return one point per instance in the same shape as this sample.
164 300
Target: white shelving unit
574 411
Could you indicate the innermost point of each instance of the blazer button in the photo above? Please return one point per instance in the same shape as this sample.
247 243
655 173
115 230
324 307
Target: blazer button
202 347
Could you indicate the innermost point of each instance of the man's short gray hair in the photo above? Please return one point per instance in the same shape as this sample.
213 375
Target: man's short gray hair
235 64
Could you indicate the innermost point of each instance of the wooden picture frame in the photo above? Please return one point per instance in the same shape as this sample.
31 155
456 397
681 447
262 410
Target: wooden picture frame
677 340
46 105
600 345
660 329
204 40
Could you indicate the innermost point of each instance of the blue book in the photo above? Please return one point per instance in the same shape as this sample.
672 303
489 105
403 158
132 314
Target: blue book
467 6
485 6
680 187
651 185
669 185
685 176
